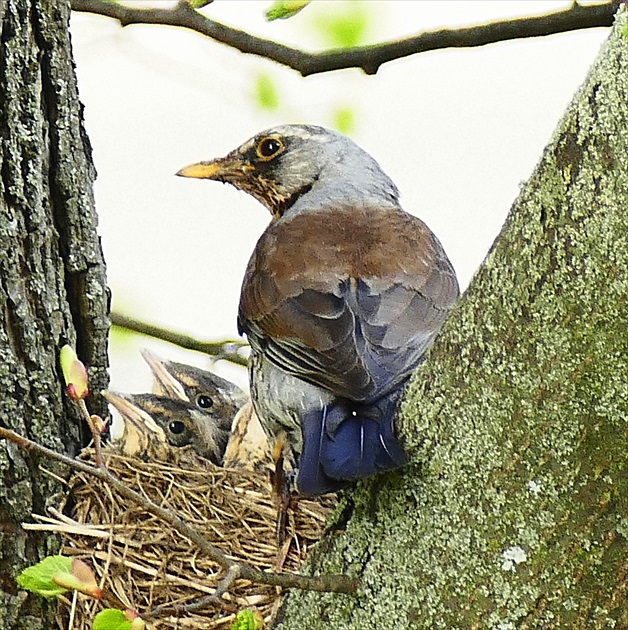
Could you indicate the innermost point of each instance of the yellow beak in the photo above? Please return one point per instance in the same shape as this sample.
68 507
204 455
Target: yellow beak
231 168
202 170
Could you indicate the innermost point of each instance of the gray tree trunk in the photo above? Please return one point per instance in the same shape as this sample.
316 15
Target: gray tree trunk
514 512
51 275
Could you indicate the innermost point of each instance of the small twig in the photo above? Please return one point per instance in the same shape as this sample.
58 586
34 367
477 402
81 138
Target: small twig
179 610
215 599
100 462
72 609
367 58
233 573
226 350
326 583
113 601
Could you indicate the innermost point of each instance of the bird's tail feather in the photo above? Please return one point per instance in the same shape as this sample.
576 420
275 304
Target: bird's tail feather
341 443
311 478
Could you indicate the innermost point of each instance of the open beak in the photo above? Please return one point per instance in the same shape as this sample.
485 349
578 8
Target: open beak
166 384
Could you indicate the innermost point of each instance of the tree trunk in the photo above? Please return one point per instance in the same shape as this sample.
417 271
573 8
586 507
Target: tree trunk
52 276
514 512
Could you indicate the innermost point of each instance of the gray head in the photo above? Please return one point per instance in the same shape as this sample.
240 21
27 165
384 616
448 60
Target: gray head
283 164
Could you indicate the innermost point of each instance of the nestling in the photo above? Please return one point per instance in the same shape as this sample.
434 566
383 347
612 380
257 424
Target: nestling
181 423
221 402
342 297
208 391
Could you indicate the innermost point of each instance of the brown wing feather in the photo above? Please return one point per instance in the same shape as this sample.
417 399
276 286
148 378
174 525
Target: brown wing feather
348 298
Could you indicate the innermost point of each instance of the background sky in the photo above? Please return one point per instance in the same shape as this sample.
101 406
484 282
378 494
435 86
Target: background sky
458 131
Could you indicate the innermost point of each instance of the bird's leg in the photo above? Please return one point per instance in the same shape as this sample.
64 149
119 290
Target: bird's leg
280 489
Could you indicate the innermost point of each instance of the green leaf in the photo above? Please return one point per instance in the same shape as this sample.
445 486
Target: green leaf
344 27
344 120
199 4
111 619
284 9
39 577
248 620
266 92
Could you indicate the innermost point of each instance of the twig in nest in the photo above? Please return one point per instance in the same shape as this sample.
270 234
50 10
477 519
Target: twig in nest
325 583
233 573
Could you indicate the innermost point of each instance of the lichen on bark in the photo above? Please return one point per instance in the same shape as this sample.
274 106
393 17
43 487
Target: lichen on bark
514 510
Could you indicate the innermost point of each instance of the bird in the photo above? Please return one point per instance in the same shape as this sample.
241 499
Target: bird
216 397
151 421
205 389
342 297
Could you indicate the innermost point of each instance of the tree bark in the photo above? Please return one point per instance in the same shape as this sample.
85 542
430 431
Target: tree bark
514 511
51 273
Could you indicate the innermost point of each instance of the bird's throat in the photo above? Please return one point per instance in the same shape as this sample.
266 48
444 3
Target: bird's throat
286 203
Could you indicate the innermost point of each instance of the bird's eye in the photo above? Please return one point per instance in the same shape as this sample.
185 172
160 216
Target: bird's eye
204 401
268 148
177 427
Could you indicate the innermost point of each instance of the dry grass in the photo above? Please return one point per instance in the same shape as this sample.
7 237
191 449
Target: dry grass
145 563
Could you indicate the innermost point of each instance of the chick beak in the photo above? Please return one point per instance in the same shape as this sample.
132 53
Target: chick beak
166 384
140 434
131 412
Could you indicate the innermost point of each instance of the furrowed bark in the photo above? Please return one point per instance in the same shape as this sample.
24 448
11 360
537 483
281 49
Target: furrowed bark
52 277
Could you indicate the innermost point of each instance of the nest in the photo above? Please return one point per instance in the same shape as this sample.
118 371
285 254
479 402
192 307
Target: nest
146 563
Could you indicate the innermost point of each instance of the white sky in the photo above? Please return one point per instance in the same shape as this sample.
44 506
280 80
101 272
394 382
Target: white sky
457 130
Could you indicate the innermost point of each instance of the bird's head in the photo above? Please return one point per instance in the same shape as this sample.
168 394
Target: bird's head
282 164
208 391
177 422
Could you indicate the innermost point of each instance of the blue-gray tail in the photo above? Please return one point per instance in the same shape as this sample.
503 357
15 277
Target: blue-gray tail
346 441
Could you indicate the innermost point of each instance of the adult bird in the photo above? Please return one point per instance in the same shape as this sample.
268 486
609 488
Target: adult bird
342 297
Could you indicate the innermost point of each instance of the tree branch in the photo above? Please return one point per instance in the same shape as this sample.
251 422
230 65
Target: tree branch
367 58
326 583
227 350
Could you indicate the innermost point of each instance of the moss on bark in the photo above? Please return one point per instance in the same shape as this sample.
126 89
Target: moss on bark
514 511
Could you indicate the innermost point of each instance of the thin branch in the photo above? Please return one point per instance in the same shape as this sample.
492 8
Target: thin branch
367 58
226 350
326 583
202 603
95 431
181 610
232 575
